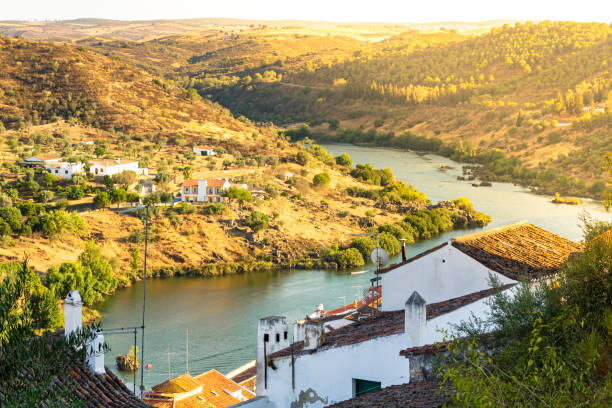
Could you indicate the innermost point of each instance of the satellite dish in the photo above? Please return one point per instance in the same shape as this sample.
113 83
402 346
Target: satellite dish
379 257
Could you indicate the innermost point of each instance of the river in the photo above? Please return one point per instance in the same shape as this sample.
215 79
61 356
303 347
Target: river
221 313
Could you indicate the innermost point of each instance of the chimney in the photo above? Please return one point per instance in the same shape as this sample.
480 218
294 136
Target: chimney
403 249
415 318
95 353
73 313
313 335
272 336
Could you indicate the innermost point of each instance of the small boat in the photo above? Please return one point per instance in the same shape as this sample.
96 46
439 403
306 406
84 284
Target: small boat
359 272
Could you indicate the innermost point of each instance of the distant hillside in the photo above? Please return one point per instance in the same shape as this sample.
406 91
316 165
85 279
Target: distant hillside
43 82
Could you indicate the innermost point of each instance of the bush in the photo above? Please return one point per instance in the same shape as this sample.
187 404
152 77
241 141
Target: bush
44 196
272 190
257 221
389 243
74 193
12 216
302 158
215 209
344 160
321 180
240 194
102 199
348 258
365 245
368 173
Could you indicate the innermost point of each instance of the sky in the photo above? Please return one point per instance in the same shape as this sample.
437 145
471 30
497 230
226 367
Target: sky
409 11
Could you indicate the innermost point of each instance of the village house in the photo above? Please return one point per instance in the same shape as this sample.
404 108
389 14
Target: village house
210 389
204 191
108 167
336 357
463 265
204 151
41 160
65 170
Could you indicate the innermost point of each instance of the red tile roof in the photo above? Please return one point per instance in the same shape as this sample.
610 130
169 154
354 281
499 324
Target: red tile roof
383 324
190 182
215 182
203 147
515 250
518 250
423 394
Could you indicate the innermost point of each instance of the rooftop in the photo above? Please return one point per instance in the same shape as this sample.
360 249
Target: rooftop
210 389
209 182
423 394
384 324
190 182
203 147
520 249
45 157
515 250
111 162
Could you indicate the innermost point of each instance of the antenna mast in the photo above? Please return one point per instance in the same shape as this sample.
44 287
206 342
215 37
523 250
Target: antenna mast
144 301
187 348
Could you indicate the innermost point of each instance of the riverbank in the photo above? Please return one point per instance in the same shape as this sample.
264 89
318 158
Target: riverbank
487 165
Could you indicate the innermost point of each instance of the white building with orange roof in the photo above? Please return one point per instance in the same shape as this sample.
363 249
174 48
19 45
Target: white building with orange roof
108 167
204 191
204 151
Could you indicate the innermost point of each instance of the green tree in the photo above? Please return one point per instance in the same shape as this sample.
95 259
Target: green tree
50 179
344 160
301 158
349 258
102 199
257 221
240 194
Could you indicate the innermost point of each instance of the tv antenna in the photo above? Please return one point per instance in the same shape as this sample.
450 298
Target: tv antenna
144 290
380 258
169 353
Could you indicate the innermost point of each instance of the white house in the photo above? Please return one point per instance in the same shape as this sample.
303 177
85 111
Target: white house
204 191
204 150
108 167
65 170
41 160
464 264
336 357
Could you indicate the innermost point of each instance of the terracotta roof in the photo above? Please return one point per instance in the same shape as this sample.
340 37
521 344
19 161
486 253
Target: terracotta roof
176 385
203 147
383 324
215 182
190 182
213 389
427 349
245 375
423 394
250 383
517 250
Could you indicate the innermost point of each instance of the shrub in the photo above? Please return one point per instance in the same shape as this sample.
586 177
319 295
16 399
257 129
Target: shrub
12 216
365 245
102 199
272 190
349 258
389 243
321 180
215 209
74 193
240 194
257 221
344 160
302 158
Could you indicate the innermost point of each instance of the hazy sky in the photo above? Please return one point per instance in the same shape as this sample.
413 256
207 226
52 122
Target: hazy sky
328 10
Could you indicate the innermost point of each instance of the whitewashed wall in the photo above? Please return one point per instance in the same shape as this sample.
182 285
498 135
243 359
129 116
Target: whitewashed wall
441 275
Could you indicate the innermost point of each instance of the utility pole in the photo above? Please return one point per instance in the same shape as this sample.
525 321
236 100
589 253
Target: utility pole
187 351
144 301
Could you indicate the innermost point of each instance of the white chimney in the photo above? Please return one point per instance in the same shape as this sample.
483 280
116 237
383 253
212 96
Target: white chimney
73 313
313 335
272 336
415 318
95 353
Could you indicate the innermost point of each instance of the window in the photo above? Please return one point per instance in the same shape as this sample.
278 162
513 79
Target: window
217 191
277 337
364 386
186 190
210 190
266 337
56 171
65 171
195 190
285 335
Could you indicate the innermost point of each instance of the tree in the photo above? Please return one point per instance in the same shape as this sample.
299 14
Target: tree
349 258
102 199
108 182
50 179
344 160
321 180
240 194
257 221
187 172
118 195
365 245
125 178
5 200
99 151
44 196
12 216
